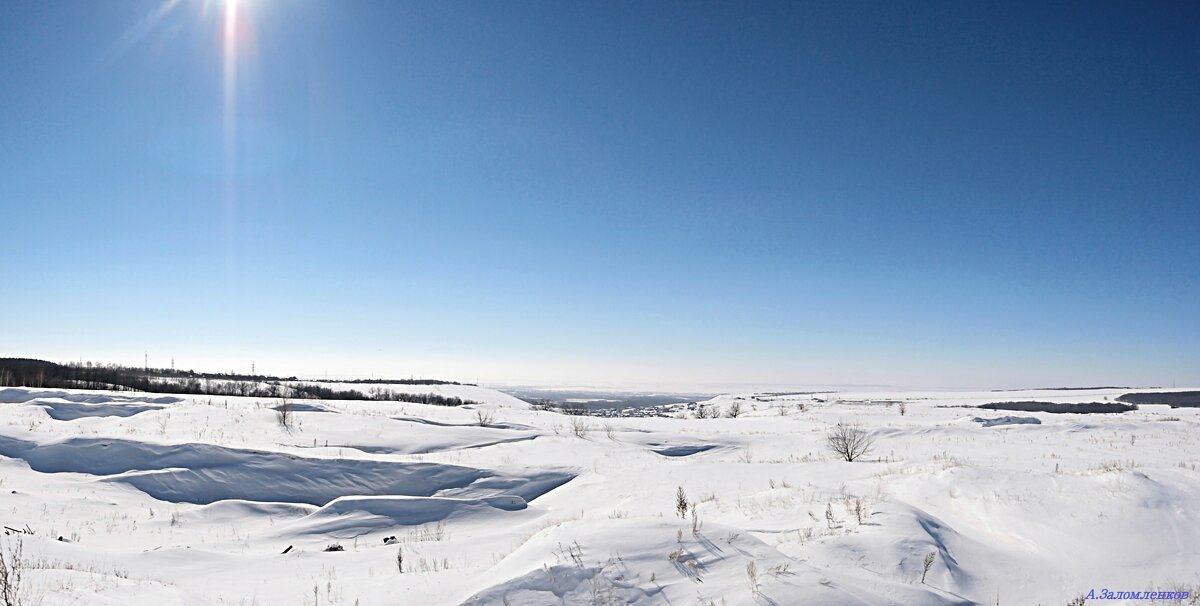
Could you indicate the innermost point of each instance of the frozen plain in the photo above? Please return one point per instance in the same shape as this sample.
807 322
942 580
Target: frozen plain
191 500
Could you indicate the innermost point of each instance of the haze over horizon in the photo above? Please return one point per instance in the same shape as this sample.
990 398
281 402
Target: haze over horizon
932 195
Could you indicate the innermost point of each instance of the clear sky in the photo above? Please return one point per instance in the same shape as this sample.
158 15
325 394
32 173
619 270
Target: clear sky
958 194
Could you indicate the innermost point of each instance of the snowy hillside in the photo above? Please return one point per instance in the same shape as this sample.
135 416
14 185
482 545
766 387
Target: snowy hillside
188 500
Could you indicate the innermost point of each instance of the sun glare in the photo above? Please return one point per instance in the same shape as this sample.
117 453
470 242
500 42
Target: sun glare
230 39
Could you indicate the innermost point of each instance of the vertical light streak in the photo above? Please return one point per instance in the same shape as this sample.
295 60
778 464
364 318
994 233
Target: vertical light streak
230 124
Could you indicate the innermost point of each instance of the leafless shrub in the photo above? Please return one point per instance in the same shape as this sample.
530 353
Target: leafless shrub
927 564
1182 594
427 532
484 417
949 461
12 569
849 440
752 578
609 430
424 564
903 409
579 426
285 414
572 552
860 510
1111 466
681 502
735 410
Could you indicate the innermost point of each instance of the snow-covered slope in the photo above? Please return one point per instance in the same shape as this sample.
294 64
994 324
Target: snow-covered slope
194 500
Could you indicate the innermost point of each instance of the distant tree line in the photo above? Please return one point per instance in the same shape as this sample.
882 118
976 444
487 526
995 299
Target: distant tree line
398 381
1176 399
23 372
1059 408
568 408
320 392
1064 388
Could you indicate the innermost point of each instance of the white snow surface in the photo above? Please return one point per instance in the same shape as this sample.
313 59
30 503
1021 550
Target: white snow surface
164 500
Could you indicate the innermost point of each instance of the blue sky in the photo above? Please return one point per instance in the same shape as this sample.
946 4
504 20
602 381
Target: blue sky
669 194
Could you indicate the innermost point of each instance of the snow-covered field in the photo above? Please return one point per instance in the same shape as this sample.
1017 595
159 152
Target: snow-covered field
193 500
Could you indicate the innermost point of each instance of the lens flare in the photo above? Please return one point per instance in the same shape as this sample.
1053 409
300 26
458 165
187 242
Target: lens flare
135 34
231 37
230 82
231 22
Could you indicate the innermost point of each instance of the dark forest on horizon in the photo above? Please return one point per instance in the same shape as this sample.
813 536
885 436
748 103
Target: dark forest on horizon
26 372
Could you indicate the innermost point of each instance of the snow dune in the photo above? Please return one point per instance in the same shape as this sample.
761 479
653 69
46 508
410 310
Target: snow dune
349 517
203 473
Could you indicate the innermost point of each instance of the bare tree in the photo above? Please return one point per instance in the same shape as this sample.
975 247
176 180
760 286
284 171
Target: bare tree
735 409
285 414
485 417
849 440
903 409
